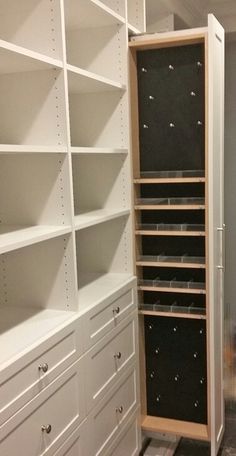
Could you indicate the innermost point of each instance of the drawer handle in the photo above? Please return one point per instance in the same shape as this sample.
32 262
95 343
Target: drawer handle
43 367
120 409
46 428
116 310
117 355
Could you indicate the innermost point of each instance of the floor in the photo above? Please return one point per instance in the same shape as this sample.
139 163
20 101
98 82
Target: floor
193 448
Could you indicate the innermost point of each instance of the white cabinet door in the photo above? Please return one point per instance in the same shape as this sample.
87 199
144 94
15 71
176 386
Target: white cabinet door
128 441
216 226
78 444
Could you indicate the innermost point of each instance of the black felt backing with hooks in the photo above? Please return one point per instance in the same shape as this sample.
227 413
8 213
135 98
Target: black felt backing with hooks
171 108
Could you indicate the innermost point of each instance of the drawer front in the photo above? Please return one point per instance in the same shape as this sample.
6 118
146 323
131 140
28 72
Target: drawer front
109 358
60 406
58 354
107 314
127 443
108 417
77 444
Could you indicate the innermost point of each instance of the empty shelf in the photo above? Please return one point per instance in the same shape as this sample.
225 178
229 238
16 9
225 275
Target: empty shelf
16 148
13 237
89 14
82 81
169 203
21 327
97 216
97 150
14 59
95 287
184 261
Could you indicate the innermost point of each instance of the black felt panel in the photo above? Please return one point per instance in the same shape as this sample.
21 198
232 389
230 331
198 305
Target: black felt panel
164 98
173 245
176 368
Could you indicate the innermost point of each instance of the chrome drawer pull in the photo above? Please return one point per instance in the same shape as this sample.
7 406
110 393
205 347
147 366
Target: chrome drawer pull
117 355
116 310
46 428
43 367
120 409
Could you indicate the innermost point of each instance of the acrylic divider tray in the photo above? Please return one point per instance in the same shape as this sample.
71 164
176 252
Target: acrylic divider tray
175 307
173 283
195 201
162 258
172 174
171 227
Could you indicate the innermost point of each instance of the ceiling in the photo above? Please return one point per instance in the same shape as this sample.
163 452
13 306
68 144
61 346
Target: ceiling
194 12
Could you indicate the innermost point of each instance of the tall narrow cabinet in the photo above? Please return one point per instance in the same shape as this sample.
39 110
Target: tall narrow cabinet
177 99
68 312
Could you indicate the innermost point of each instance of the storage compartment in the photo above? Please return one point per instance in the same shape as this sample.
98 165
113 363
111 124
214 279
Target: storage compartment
102 192
171 108
103 259
173 303
38 419
32 105
33 24
173 278
104 126
34 198
176 371
101 36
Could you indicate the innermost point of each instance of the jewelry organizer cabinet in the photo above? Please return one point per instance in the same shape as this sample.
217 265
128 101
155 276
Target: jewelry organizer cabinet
68 308
177 98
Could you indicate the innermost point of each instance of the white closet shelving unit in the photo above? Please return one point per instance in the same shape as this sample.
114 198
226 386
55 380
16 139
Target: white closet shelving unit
65 185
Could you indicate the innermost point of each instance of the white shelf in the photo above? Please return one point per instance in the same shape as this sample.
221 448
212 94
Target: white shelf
99 216
15 148
16 59
13 237
95 287
90 14
21 327
83 81
133 30
97 150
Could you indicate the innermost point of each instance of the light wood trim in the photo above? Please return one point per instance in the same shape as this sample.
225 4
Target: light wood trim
134 113
169 233
142 364
166 207
207 234
156 313
167 41
182 428
165 264
169 180
172 290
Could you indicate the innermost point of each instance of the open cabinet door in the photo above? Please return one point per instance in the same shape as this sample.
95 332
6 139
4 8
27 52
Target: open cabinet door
215 139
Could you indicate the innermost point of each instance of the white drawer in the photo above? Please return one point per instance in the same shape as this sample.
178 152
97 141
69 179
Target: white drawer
108 417
77 444
107 314
106 362
54 356
61 405
128 441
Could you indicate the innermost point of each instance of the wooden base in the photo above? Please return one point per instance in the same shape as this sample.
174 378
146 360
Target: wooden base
181 428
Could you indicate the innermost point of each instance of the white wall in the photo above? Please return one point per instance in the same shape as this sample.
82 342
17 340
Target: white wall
230 179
